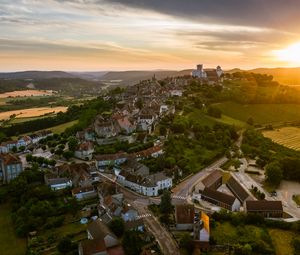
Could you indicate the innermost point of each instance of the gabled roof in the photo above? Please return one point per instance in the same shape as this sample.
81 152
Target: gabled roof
209 180
264 205
98 230
90 247
237 189
110 156
184 214
82 190
218 196
9 159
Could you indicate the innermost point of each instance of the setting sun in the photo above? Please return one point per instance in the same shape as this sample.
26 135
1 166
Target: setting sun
290 54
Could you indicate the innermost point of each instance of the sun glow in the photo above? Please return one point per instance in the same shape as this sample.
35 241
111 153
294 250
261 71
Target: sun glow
290 54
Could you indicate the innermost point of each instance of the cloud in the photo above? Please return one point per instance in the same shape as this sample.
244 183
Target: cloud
262 13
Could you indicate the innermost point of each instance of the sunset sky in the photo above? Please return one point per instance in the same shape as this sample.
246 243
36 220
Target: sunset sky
95 35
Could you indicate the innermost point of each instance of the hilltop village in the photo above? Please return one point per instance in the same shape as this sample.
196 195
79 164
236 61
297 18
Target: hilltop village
124 187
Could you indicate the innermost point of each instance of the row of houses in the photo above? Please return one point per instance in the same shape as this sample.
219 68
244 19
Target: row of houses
24 141
105 160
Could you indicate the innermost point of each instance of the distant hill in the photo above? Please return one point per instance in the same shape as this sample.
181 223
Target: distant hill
93 76
132 77
36 75
287 76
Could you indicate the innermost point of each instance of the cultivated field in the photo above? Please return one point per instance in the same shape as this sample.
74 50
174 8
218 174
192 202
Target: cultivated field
287 136
26 93
32 112
261 113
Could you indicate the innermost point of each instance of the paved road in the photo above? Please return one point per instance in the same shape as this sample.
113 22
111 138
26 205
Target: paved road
166 242
185 188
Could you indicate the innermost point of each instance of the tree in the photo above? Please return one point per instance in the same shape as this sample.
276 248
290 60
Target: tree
14 149
186 242
68 154
65 245
166 203
214 112
250 121
132 243
29 157
117 226
274 173
72 143
162 130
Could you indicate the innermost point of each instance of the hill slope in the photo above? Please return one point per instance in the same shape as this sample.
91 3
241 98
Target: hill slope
132 77
36 75
287 76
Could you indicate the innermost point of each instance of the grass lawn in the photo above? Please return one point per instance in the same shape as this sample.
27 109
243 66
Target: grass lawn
61 128
204 119
9 243
225 233
261 113
282 241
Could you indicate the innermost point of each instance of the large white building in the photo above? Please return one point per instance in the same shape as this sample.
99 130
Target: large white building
147 186
211 75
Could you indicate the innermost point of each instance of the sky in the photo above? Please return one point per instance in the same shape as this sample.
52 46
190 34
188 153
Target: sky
100 35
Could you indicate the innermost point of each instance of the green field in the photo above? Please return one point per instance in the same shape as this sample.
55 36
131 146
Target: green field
9 243
61 128
261 113
204 119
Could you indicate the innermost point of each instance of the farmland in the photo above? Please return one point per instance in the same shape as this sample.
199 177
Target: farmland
261 113
287 136
26 93
32 112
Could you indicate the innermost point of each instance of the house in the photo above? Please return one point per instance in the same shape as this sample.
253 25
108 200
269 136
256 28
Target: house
213 180
8 146
267 209
125 124
202 232
154 152
135 167
176 93
110 160
137 225
82 193
87 134
220 199
145 122
85 151
238 190
57 183
129 213
78 173
184 217
36 137
24 141
10 167
98 231
3 148
101 241
105 127
148 185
